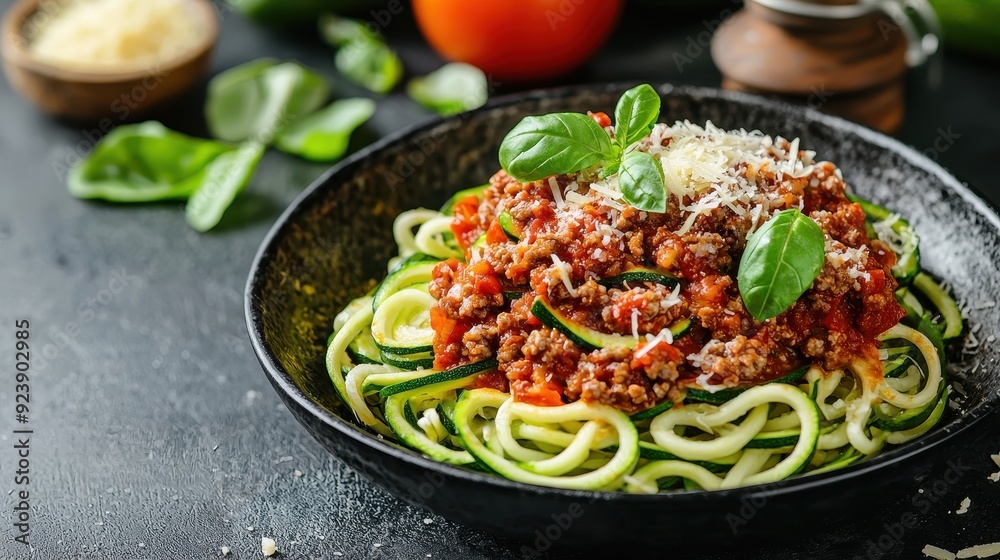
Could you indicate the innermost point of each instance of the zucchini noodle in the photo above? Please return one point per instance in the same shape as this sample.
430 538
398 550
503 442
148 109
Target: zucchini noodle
380 361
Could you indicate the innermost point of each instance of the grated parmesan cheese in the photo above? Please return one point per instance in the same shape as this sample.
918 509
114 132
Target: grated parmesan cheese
116 34
963 508
702 381
937 553
564 270
980 551
267 546
556 193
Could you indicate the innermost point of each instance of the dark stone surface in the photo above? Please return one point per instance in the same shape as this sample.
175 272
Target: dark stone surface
156 434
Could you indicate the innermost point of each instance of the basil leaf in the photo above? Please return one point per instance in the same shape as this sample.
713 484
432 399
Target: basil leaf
640 179
780 263
369 63
635 114
255 99
553 144
142 163
451 89
339 31
325 134
224 179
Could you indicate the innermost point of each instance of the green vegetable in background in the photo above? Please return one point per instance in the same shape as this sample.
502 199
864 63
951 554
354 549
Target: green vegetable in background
258 103
371 64
780 263
362 56
451 89
339 31
560 143
224 179
325 134
292 11
255 99
970 24
144 163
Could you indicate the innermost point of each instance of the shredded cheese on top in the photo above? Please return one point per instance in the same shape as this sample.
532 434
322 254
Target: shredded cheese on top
564 271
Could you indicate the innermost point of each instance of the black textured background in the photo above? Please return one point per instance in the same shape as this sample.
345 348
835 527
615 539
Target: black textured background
156 434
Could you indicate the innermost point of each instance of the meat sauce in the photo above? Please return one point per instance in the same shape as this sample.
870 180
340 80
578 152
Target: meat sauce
835 322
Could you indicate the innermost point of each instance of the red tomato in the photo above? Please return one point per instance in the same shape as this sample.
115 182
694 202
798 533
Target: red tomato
518 40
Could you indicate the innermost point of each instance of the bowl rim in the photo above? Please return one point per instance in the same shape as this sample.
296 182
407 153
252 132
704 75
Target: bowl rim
13 48
281 379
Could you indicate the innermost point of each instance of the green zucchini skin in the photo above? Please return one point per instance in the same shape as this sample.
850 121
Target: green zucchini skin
907 419
953 322
908 264
726 395
653 411
587 338
416 269
363 349
476 191
639 274
453 374
509 226
409 362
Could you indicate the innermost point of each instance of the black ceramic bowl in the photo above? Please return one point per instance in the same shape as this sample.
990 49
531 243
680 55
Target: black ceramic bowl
333 243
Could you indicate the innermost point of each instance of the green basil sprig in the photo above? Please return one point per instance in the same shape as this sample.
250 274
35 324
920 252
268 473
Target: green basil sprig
144 163
561 143
325 134
257 103
781 261
256 99
363 56
640 179
635 114
453 88
224 179
553 144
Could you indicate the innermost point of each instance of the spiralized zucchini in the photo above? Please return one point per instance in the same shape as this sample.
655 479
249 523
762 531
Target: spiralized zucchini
379 362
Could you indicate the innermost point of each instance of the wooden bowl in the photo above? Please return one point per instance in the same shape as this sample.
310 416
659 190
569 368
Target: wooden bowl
92 95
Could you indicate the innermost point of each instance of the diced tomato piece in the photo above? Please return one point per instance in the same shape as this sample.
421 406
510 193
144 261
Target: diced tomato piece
495 234
448 331
465 225
543 394
484 279
839 317
662 352
600 118
491 380
875 283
